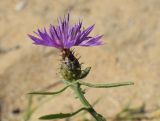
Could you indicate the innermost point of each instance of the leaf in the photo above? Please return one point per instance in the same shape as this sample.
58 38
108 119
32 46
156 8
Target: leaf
106 85
85 72
49 93
60 115
28 112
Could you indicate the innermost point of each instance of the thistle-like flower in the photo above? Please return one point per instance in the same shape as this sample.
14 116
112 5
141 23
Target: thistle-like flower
63 37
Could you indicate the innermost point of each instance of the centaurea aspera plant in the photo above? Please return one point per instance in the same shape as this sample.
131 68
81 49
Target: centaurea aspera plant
64 37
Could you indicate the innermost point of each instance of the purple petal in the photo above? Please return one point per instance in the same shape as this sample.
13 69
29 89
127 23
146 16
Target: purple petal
35 39
84 34
92 42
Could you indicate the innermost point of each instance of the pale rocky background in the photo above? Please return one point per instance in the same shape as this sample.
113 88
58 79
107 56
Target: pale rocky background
131 52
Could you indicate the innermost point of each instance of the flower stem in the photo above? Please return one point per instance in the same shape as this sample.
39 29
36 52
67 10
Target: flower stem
80 95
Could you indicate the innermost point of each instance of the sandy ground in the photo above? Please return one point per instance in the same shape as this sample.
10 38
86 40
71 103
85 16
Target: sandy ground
131 32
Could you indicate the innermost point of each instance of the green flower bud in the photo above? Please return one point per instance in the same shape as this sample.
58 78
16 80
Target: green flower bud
71 68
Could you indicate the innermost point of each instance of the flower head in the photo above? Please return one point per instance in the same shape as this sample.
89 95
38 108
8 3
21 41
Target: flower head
65 36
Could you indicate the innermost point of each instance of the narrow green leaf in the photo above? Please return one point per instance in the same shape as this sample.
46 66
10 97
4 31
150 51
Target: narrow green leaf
60 115
106 85
55 116
28 112
49 93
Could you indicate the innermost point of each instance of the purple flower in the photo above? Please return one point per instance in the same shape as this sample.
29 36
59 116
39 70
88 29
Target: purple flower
64 36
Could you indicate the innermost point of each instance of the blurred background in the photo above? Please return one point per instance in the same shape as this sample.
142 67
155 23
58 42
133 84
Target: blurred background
131 53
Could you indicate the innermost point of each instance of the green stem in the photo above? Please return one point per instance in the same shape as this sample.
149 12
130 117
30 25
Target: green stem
89 108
